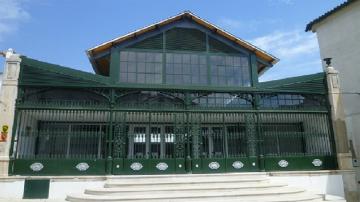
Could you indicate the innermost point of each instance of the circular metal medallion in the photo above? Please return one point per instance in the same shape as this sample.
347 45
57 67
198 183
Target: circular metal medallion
283 163
317 162
82 166
36 167
237 164
214 165
136 166
162 166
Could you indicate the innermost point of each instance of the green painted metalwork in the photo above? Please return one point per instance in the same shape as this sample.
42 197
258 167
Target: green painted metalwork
314 82
254 71
114 66
217 46
185 39
154 43
34 72
251 120
40 74
89 121
36 188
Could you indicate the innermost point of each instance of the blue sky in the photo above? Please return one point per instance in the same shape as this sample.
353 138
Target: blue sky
60 31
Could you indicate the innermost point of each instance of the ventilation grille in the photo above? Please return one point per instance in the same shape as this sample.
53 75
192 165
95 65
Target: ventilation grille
154 42
217 46
185 39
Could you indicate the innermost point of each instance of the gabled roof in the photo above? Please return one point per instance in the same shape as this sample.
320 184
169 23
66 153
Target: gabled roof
263 55
327 14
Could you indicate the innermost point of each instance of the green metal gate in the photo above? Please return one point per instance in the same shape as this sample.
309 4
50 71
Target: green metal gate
115 133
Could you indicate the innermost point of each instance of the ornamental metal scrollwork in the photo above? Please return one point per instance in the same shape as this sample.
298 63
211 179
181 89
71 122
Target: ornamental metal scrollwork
237 165
162 166
82 166
36 167
119 139
214 165
136 166
317 162
283 163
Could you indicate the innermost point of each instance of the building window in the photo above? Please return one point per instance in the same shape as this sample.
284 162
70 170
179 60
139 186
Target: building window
292 101
229 71
221 100
140 67
185 69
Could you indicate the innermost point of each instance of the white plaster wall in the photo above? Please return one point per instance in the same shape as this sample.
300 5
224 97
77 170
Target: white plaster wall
339 38
59 189
1 76
321 183
12 189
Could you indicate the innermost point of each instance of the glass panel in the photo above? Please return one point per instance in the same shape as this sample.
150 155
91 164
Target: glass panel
140 67
221 100
293 101
186 69
229 71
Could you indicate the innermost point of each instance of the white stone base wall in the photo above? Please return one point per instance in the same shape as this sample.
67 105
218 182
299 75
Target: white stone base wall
320 182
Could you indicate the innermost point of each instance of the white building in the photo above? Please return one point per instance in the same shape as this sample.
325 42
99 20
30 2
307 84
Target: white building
1 75
338 33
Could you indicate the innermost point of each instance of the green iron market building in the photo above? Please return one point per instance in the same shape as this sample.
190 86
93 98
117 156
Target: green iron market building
178 96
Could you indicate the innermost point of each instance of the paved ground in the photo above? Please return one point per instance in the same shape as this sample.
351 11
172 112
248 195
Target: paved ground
29 200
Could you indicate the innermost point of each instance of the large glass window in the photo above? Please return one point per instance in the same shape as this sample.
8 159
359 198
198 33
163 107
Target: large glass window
186 69
229 70
140 67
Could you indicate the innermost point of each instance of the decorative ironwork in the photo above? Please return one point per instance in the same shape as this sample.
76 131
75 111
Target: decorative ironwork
120 133
36 167
196 143
162 166
214 165
251 123
317 162
237 164
136 166
283 163
82 166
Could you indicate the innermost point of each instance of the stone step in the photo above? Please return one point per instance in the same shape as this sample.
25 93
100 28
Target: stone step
272 194
184 187
162 176
178 180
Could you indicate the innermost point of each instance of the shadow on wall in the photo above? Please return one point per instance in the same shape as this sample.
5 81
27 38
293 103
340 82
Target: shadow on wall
334 186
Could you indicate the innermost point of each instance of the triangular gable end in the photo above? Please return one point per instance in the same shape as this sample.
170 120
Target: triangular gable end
99 54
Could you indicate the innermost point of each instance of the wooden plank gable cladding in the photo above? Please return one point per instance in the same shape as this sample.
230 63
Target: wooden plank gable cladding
95 54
